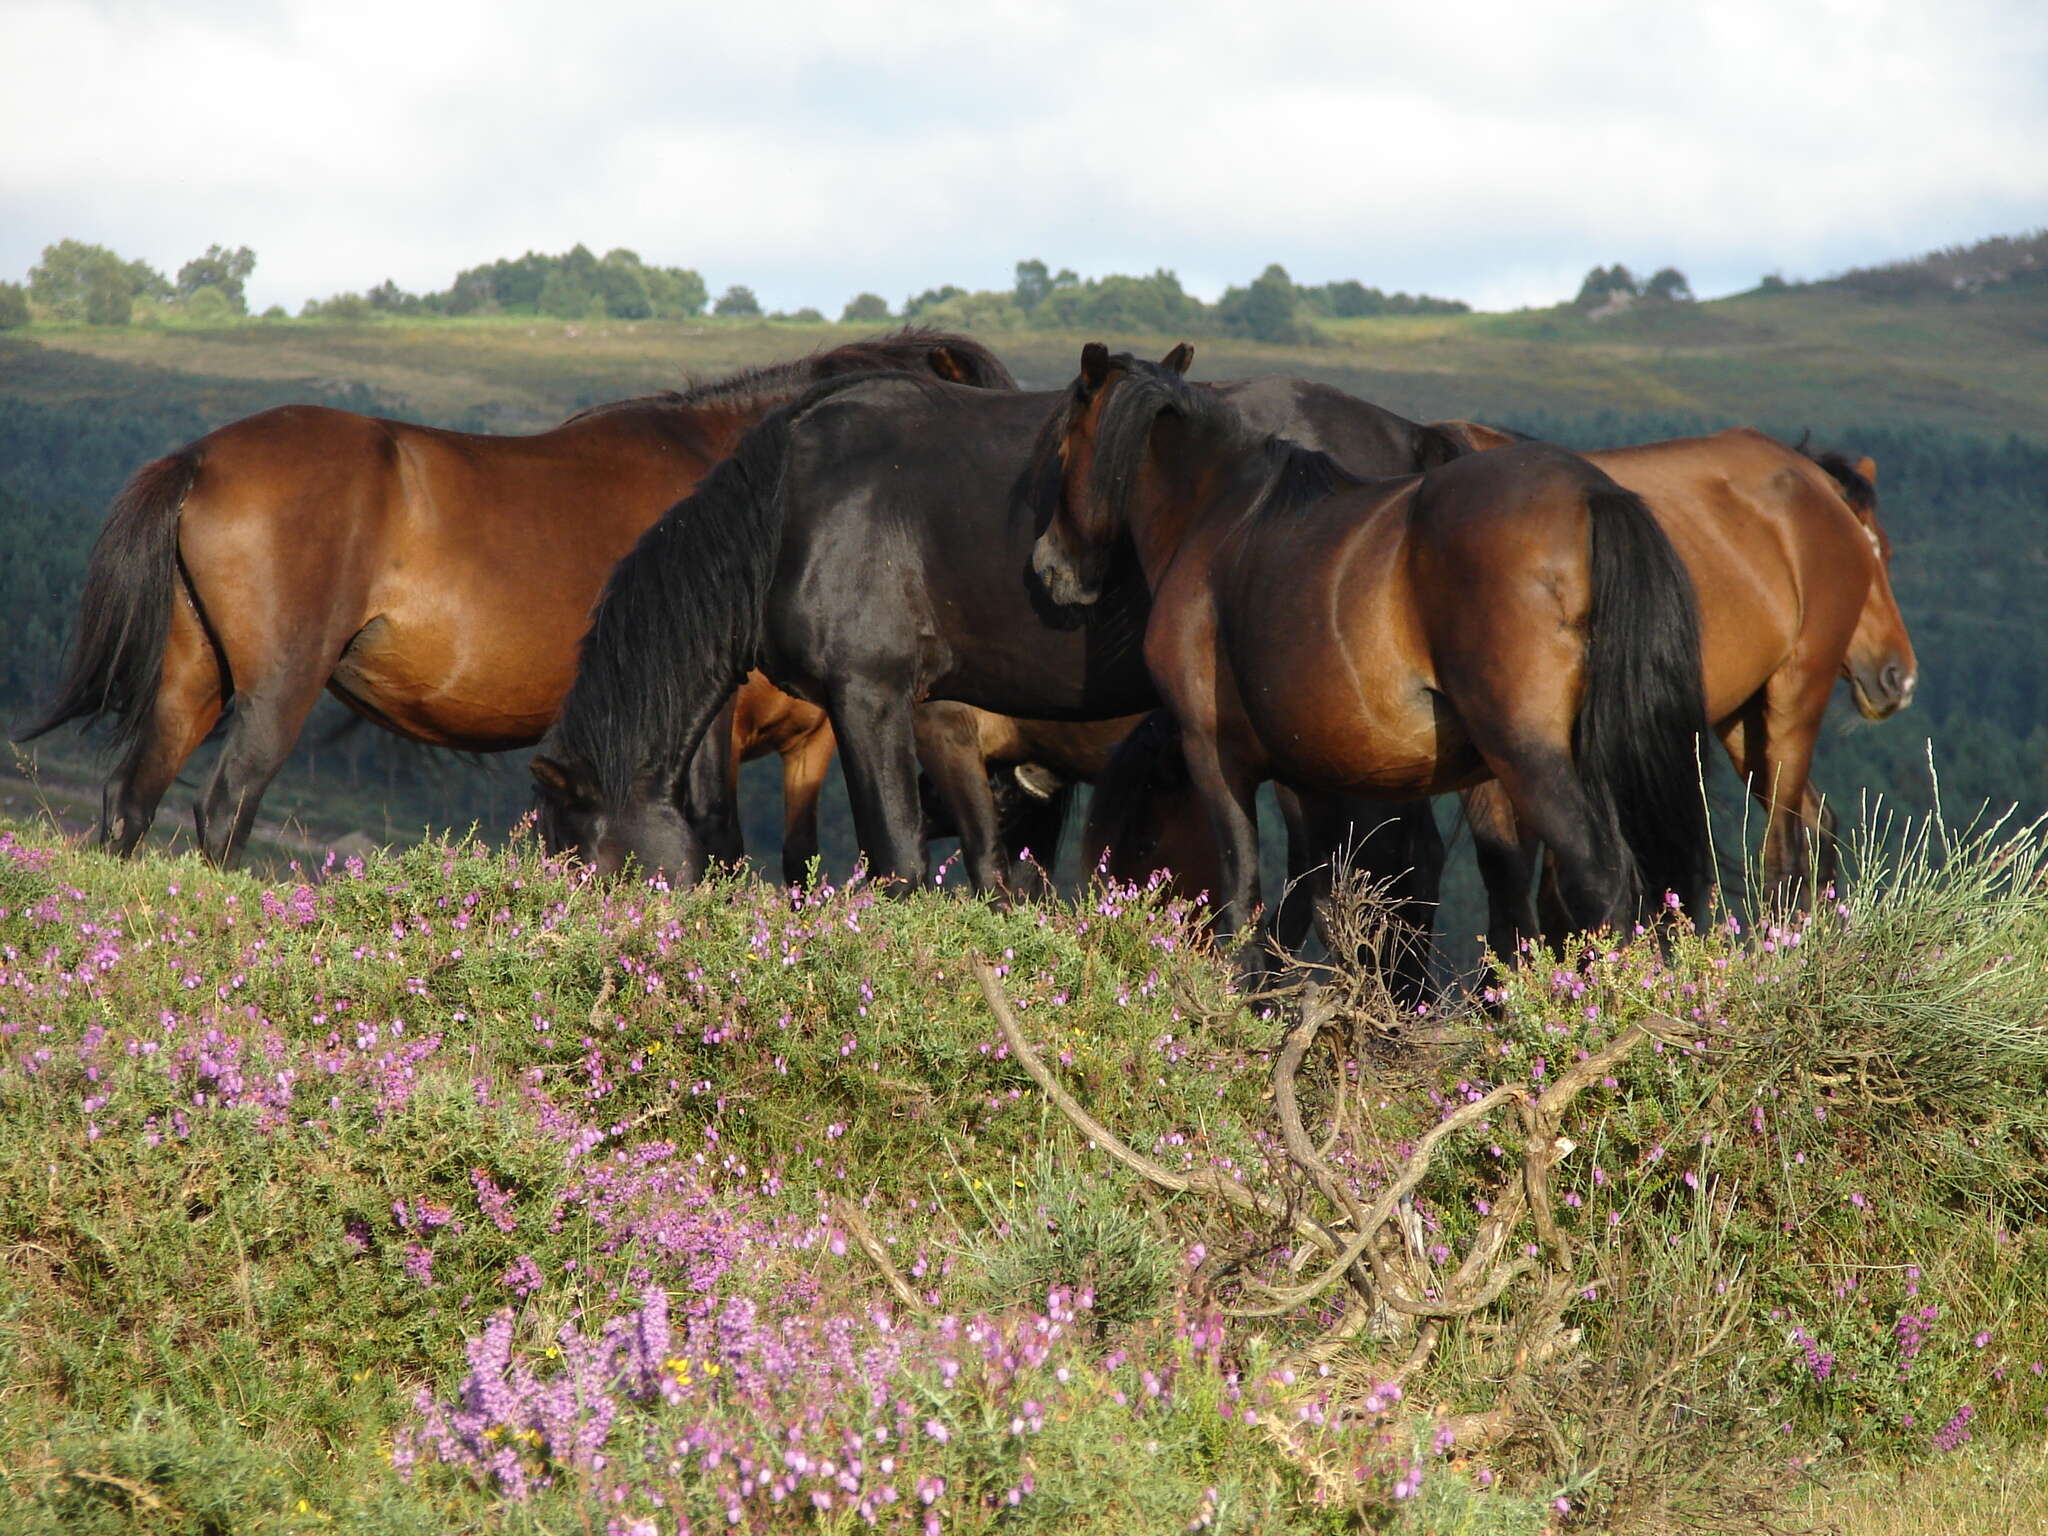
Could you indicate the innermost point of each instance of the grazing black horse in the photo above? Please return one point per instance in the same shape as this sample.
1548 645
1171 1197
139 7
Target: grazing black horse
867 547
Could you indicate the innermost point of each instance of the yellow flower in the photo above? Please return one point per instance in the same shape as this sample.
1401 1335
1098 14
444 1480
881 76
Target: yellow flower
712 1367
553 1351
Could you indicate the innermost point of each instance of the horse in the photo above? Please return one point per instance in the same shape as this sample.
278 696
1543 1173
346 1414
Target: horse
867 548
1512 615
435 581
1792 571
867 490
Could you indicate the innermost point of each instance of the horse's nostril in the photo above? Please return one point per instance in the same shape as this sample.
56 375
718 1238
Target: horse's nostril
1894 680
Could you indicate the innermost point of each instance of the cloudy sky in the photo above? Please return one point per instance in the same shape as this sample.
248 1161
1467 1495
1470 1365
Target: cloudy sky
1490 151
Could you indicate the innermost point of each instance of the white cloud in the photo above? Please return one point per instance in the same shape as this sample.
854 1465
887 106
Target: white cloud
1489 150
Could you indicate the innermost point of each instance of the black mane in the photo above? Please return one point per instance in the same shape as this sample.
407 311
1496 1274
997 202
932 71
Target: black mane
1856 487
1296 476
624 716
906 350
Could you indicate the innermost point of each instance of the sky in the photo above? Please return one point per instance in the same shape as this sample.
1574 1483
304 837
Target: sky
813 149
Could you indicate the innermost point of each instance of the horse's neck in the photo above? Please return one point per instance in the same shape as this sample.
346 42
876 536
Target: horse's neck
1196 477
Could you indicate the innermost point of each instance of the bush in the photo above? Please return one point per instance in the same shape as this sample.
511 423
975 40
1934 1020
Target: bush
13 306
737 301
865 309
209 306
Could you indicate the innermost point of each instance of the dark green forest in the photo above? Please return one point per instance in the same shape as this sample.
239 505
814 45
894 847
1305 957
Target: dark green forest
1965 512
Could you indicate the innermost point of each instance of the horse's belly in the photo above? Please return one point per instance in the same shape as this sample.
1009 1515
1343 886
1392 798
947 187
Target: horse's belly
478 700
1402 745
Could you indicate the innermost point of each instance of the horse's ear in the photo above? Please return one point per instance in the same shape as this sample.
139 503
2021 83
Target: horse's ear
1435 445
1867 468
943 363
1094 364
567 784
1476 436
1178 359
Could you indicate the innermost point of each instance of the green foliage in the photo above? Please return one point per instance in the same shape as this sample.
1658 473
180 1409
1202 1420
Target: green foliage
930 299
738 301
390 299
1034 282
209 306
77 281
1265 311
1055 1224
1670 285
573 286
13 306
865 309
220 269
1603 284
342 306
1352 300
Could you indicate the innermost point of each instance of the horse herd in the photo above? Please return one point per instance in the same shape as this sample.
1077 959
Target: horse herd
982 595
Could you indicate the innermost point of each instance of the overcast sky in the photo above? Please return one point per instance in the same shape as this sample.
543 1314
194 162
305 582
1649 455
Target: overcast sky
815 148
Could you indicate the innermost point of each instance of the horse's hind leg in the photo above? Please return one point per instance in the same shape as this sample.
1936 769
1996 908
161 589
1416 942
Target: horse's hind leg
188 702
264 725
949 747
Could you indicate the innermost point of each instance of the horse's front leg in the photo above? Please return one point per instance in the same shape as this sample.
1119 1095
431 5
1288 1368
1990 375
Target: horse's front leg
1227 789
872 718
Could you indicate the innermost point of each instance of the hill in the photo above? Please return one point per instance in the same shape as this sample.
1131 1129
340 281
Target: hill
445 1192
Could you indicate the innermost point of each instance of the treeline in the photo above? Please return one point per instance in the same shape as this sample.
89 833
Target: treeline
75 282
1272 307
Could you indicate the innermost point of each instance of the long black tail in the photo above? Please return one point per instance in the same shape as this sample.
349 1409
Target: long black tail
1641 723
117 656
679 623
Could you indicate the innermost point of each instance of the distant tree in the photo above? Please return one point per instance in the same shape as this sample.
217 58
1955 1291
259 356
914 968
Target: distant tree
737 300
77 281
1772 282
1265 311
809 316
676 291
568 295
219 268
209 305
13 306
865 309
391 299
930 299
1670 285
1033 284
342 306
622 284
275 312
1603 283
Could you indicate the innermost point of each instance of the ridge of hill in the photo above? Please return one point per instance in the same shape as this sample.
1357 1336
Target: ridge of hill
1818 355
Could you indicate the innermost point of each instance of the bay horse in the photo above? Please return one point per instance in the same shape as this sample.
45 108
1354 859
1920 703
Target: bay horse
435 581
1512 614
1792 570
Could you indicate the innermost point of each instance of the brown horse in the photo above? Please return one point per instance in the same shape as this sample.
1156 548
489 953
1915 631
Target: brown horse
437 582
1792 569
1513 615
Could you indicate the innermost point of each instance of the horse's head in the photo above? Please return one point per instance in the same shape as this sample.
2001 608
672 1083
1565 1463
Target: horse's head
645 826
1072 556
1880 665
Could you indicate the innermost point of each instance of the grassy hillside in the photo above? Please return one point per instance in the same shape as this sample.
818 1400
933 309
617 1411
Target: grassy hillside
446 1193
1826 358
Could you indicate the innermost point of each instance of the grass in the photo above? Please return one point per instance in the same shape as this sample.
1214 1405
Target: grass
445 1192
